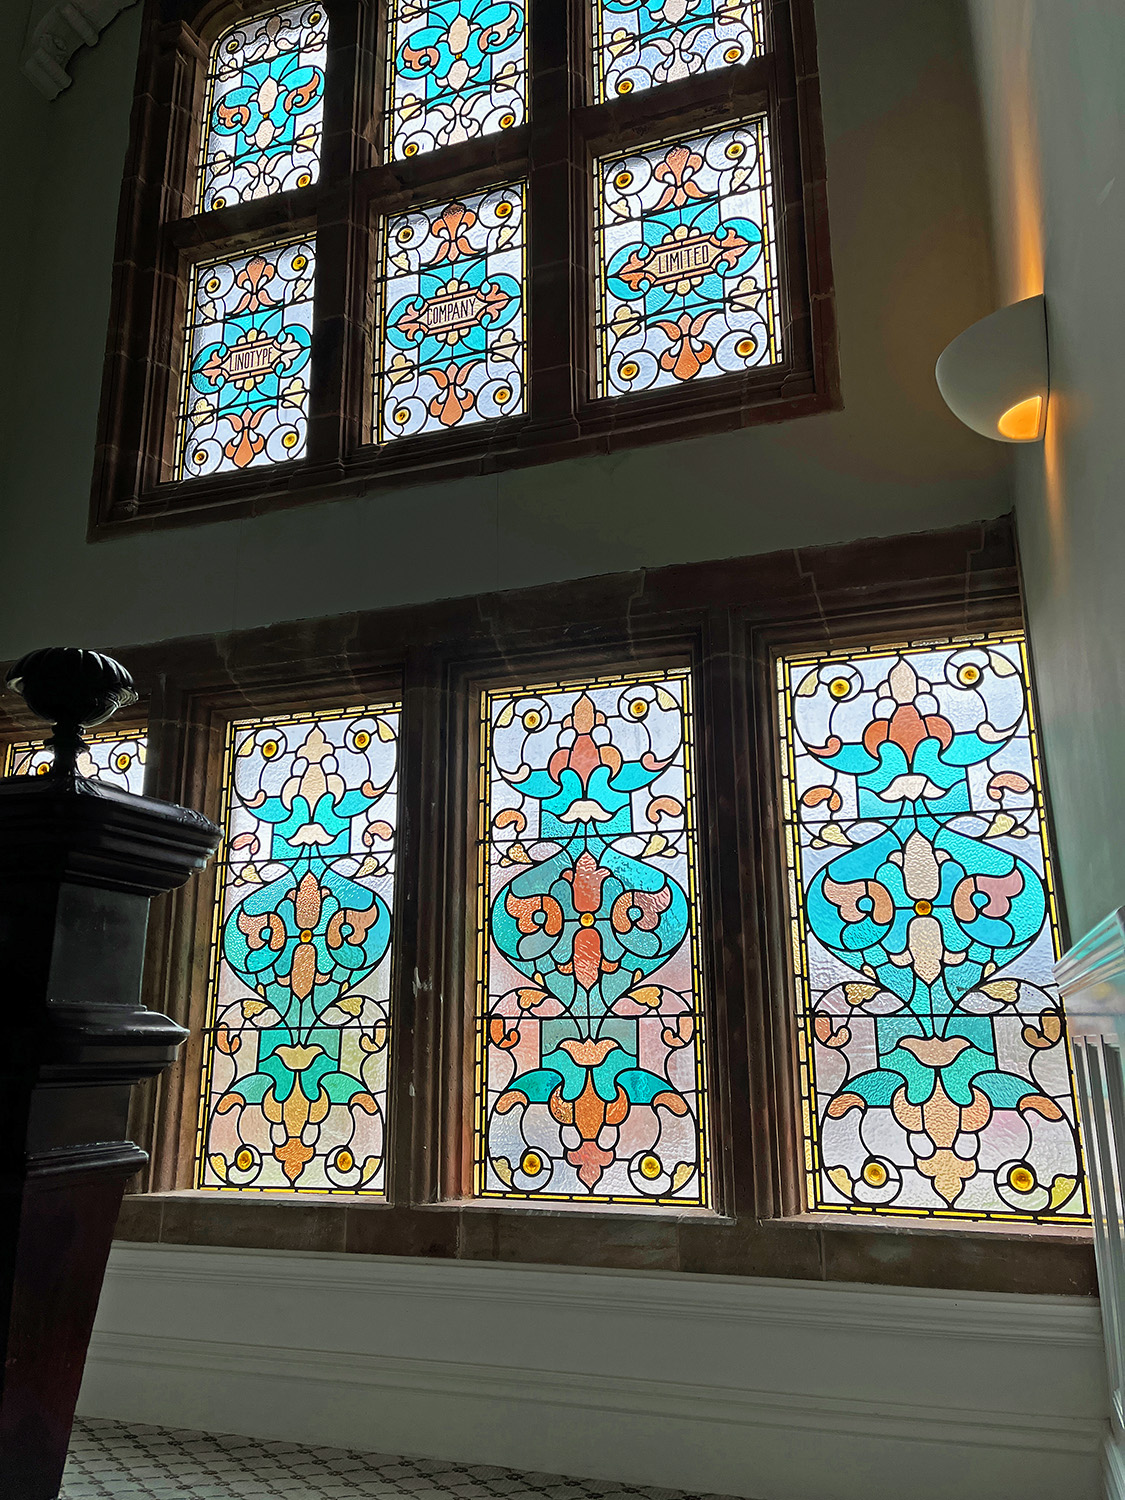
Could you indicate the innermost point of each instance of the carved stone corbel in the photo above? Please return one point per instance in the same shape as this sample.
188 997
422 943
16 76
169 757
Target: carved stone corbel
58 35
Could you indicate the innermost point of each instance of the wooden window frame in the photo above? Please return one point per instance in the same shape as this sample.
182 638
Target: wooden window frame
731 619
160 236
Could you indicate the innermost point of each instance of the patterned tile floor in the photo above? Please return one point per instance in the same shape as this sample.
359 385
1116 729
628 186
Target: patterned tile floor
124 1461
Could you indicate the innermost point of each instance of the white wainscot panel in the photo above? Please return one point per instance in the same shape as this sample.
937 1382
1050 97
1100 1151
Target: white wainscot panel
773 1390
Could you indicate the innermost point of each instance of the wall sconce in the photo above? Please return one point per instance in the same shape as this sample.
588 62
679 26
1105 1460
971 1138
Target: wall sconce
994 375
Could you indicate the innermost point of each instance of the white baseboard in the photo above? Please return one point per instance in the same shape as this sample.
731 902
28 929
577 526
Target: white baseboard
764 1389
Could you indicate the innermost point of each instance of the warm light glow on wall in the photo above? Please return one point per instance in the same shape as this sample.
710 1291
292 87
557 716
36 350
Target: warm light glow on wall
994 375
1023 423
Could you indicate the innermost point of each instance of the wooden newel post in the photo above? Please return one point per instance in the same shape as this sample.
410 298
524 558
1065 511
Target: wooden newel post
79 863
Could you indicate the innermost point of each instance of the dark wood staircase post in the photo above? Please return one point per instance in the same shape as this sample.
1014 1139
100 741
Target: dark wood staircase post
79 864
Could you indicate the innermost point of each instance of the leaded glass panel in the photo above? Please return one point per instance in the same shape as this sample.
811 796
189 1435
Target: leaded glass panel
265 98
457 69
117 759
590 1081
453 341
934 1066
642 43
686 255
295 1074
245 394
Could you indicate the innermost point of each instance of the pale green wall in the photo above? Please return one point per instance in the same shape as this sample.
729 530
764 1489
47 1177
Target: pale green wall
912 264
1053 78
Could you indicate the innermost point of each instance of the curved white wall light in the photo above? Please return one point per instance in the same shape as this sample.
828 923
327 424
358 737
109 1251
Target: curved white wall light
994 375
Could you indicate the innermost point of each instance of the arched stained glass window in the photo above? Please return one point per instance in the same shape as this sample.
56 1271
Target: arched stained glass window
934 1066
456 70
590 1080
117 759
686 261
265 97
294 1090
639 44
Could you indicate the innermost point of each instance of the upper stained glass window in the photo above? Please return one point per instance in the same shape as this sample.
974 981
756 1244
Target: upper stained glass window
641 43
457 69
453 341
933 1057
262 117
590 1079
295 1072
115 759
686 281
244 398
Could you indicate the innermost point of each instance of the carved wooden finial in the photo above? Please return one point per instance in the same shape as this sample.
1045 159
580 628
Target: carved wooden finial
73 690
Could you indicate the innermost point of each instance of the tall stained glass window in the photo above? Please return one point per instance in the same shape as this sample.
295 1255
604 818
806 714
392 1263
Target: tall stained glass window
262 116
641 43
590 1082
933 1056
457 70
244 397
116 759
686 281
295 1073
453 323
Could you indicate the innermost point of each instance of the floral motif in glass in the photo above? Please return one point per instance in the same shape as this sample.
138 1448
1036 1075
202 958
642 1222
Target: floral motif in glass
686 281
934 1066
453 336
590 1082
457 69
641 43
245 392
265 97
115 759
295 1072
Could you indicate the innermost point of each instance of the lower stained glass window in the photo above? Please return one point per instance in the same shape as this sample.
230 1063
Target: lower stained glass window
934 1067
244 400
453 340
115 759
295 1071
686 280
590 1083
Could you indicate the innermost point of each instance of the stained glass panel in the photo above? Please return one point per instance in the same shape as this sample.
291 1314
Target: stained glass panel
453 324
686 281
295 1073
265 97
245 395
590 1082
457 69
933 1056
118 759
641 43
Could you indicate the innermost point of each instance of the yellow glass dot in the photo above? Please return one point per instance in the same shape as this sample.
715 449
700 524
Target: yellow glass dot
270 749
304 179
345 1161
123 761
306 935
638 708
212 285
244 1160
732 54
586 919
532 1164
290 440
504 210
1022 1179
735 150
629 370
532 719
362 739
969 675
43 768
405 235
402 415
839 687
300 262
744 348
651 1167
314 18
923 908
218 203
625 86
623 179
507 121
232 46
411 149
875 1174
503 396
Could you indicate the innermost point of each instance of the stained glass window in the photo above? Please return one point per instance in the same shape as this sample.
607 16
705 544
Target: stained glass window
295 1073
457 69
933 1056
640 43
453 322
245 393
686 281
590 1082
262 116
117 758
